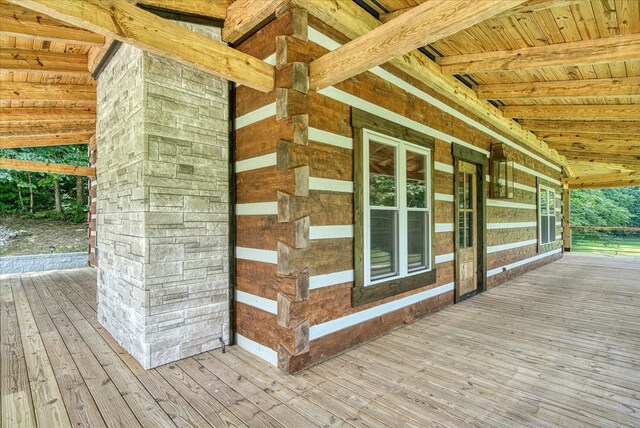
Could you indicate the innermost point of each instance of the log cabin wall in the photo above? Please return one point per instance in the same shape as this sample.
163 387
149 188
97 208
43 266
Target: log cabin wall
294 161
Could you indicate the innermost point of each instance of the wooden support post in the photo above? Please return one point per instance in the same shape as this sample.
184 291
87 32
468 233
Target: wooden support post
566 218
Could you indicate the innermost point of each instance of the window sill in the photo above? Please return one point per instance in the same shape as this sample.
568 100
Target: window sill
361 295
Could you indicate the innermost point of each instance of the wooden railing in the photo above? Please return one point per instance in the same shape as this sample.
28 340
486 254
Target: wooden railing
604 228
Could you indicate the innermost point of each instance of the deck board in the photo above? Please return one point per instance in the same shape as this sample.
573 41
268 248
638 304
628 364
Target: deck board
557 346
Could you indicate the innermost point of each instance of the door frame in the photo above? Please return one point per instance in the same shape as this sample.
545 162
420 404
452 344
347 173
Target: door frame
465 154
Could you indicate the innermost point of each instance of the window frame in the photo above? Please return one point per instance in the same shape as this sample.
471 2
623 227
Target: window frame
366 126
543 247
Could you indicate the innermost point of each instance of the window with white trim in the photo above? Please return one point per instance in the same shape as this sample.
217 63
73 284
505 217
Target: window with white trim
546 215
397 208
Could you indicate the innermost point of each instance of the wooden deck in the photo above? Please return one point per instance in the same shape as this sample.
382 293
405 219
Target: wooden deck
559 346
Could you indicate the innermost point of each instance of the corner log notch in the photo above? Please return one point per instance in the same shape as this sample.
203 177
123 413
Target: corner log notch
120 20
33 166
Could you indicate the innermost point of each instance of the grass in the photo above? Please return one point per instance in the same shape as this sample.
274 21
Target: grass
629 246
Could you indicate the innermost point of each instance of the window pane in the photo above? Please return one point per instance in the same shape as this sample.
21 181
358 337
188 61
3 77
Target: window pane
469 233
543 201
461 189
383 238
552 228
416 180
552 201
467 190
417 239
382 175
461 230
545 229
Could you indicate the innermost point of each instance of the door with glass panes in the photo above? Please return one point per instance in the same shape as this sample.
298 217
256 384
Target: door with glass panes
467 257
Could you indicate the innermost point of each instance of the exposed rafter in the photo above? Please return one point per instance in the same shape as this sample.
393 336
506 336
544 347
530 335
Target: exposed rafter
605 180
592 139
22 60
589 88
18 114
427 23
48 167
594 51
603 158
49 127
214 9
15 142
581 127
24 91
574 112
243 16
120 20
597 149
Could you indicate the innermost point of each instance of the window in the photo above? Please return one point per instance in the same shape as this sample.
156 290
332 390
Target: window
397 204
547 215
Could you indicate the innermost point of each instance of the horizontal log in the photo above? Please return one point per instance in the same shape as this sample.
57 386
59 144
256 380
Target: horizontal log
581 127
22 91
261 279
324 161
263 185
14 142
30 114
50 127
319 257
323 208
264 232
214 9
262 137
39 61
574 112
47 167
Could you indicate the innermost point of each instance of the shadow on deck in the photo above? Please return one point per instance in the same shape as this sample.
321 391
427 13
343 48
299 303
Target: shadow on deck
558 346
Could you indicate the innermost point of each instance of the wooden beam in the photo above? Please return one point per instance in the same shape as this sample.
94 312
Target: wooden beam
96 54
244 16
596 149
604 180
54 168
39 61
20 22
43 140
49 127
427 23
588 88
18 114
574 112
603 158
584 52
117 19
581 127
595 140
24 91
214 9
352 21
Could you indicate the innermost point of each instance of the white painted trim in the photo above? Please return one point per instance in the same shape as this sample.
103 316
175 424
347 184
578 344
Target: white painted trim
443 258
330 138
257 255
255 116
329 279
494 226
257 349
444 227
321 330
508 204
330 185
558 237
525 187
535 173
519 263
257 162
261 303
444 167
444 197
257 208
503 247
331 232
558 223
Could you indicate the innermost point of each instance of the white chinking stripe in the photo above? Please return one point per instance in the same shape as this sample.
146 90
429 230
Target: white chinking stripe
443 197
444 227
326 42
257 208
503 247
257 349
519 263
330 138
331 232
439 166
493 226
329 279
330 185
320 330
535 173
261 303
257 255
255 116
443 258
257 162
508 204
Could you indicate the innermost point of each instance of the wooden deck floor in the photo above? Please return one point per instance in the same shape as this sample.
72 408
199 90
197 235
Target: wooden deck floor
559 346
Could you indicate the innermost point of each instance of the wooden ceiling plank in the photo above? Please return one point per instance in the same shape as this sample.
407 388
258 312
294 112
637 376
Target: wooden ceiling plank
8 114
581 127
24 91
601 158
15 142
428 22
244 16
568 148
585 52
595 139
47 167
214 9
588 88
603 180
120 20
30 128
20 22
38 61
627 112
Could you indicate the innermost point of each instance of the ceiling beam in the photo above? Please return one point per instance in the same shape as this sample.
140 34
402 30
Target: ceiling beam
43 140
603 158
214 9
19 114
593 139
588 88
352 21
604 180
574 112
39 61
581 127
427 23
117 19
20 22
244 16
48 167
49 127
584 52
596 149
23 91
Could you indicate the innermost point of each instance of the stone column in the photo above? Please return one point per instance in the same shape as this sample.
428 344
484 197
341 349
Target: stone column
162 206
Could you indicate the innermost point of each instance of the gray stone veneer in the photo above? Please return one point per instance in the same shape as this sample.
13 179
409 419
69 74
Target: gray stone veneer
162 209
43 262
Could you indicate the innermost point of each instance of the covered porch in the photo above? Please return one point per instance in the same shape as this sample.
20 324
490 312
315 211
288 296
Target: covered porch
557 346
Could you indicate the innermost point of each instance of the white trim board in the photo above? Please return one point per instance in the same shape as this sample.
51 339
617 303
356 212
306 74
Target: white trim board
331 232
330 138
329 279
444 227
255 116
508 204
257 255
264 304
321 330
535 173
443 258
257 349
444 197
330 44
497 248
523 262
257 208
257 162
444 167
494 226
330 185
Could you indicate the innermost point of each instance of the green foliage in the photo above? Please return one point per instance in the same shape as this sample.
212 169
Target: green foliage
606 207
